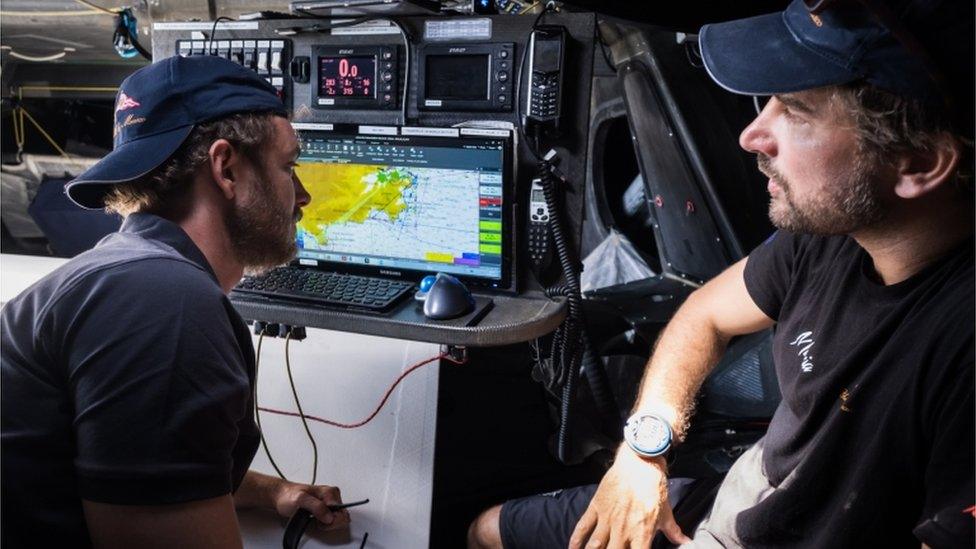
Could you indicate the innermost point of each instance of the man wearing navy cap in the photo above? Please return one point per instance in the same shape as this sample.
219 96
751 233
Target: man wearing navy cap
127 377
867 142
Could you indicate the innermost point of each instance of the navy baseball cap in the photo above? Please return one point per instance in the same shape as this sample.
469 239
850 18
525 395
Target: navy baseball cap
156 109
803 48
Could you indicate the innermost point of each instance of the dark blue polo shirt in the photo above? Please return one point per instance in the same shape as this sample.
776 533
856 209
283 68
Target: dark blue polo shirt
126 378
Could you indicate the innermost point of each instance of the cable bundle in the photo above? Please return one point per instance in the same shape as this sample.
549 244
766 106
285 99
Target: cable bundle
566 355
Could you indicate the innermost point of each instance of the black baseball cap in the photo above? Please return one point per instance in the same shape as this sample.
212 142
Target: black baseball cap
156 109
920 49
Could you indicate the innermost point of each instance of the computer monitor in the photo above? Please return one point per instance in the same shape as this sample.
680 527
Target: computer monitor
405 205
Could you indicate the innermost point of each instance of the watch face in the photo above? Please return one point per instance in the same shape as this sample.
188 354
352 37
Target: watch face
649 434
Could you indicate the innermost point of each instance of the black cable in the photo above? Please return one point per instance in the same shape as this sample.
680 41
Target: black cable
406 70
213 31
346 22
557 291
142 51
570 350
257 413
301 413
565 417
556 359
596 374
599 382
563 252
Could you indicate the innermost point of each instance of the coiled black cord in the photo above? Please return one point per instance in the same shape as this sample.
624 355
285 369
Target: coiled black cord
567 350
596 374
599 382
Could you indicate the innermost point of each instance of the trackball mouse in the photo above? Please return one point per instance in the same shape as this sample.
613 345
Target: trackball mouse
447 298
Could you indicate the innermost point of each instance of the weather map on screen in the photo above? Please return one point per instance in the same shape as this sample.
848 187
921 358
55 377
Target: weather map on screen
400 204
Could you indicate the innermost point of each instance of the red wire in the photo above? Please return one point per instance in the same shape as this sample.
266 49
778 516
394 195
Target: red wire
389 391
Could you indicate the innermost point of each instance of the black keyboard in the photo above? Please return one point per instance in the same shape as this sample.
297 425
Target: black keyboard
343 290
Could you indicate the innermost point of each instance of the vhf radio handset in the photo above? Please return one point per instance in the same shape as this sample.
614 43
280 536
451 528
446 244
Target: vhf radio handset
547 48
540 252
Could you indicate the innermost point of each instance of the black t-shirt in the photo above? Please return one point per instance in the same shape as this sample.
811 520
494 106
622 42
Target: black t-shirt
126 378
873 443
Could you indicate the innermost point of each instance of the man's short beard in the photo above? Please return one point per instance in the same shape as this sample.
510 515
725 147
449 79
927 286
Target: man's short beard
262 231
848 207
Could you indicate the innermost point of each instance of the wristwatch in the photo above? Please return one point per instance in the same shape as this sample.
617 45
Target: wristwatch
648 435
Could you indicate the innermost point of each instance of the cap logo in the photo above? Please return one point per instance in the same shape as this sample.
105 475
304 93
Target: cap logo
133 119
130 120
125 102
816 20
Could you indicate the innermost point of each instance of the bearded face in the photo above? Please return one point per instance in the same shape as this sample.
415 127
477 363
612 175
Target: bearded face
822 178
842 207
262 228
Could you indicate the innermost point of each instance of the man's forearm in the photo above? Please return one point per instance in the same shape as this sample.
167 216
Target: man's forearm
257 490
686 352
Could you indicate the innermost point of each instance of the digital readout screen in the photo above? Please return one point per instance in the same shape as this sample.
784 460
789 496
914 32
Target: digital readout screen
457 77
349 77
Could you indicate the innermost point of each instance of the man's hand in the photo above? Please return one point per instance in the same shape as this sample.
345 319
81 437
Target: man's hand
267 492
629 507
290 496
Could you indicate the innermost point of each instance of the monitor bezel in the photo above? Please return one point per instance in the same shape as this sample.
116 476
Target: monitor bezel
506 282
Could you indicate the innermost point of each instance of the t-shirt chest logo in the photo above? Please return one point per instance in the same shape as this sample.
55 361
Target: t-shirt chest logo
804 344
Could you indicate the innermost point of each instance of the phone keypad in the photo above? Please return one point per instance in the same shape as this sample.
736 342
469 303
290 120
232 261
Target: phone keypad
538 239
545 95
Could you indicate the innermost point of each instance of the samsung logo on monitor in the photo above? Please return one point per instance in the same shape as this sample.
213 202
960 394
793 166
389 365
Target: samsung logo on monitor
457 50
345 52
390 273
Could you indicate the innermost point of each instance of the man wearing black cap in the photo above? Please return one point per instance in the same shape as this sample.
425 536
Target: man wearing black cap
867 142
127 376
